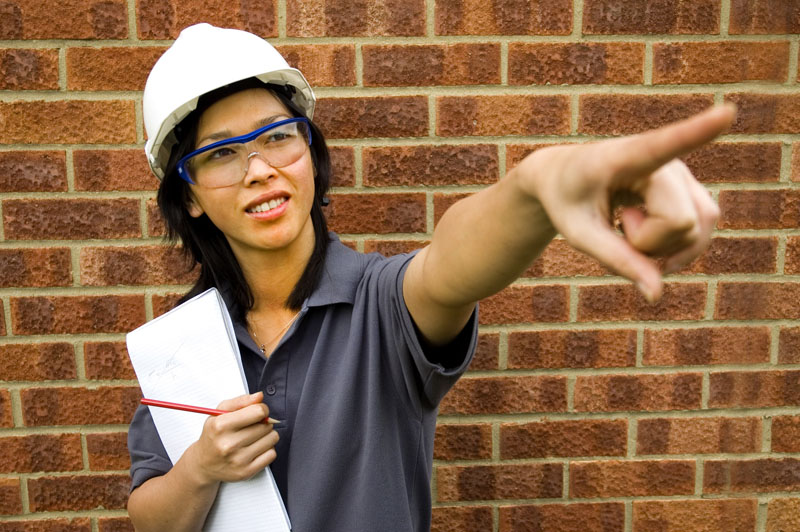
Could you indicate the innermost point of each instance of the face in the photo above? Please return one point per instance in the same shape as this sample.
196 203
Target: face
269 210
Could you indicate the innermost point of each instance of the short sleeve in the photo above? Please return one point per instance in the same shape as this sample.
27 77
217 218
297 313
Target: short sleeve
148 456
421 376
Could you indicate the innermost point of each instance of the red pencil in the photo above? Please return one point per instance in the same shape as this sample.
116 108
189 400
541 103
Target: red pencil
196 409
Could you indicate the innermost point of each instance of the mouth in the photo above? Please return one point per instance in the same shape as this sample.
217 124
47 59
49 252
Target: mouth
267 205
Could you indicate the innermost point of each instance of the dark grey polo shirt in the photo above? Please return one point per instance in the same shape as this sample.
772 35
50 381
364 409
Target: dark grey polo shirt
359 398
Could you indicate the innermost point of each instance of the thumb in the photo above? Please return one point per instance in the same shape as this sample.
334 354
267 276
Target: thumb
241 401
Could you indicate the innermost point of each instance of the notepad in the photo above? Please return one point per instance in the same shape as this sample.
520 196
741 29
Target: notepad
190 355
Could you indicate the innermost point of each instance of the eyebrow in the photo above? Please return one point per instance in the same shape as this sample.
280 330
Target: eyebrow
226 133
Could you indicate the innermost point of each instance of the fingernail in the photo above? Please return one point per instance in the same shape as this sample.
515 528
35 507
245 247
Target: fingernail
646 292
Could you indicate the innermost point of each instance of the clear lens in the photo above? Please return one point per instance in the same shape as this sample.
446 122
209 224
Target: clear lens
227 164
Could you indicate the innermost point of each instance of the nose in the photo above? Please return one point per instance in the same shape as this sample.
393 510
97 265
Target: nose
257 169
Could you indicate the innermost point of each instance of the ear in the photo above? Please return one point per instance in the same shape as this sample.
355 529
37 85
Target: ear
194 207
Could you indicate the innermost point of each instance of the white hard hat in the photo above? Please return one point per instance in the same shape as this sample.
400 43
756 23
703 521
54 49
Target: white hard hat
204 58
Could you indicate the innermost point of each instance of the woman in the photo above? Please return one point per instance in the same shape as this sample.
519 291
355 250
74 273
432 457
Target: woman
355 352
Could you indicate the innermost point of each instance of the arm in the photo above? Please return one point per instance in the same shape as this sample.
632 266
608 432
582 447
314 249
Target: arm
232 447
484 242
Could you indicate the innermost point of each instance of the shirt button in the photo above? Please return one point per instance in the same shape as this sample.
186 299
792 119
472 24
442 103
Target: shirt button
271 389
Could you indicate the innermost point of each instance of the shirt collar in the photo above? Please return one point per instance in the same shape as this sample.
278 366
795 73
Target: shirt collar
340 276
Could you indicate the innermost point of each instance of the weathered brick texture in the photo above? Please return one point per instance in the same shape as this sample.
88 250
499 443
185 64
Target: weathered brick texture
585 407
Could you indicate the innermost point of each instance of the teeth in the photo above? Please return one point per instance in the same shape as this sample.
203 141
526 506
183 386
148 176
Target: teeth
267 205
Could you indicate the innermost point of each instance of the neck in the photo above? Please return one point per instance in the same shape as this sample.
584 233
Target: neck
273 274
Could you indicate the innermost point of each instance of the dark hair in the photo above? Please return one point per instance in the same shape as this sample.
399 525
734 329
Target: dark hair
205 244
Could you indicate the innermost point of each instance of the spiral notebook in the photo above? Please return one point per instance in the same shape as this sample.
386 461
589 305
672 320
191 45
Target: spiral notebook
190 355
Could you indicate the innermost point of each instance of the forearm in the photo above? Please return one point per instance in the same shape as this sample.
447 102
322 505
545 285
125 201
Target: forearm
177 501
485 241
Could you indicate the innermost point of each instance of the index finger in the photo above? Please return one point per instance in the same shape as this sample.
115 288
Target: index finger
643 154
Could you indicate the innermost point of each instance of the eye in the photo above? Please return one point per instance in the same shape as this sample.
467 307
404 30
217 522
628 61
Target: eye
219 153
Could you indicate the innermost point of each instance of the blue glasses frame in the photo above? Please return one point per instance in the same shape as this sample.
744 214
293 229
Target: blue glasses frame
183 172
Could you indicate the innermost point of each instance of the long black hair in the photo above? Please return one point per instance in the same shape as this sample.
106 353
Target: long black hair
205 244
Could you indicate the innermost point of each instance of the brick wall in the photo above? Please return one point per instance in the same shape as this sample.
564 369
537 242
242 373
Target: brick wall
586 409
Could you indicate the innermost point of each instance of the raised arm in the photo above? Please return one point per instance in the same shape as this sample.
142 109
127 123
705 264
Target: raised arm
484 242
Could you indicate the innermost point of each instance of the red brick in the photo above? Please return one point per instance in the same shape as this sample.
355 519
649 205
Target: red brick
792 256
625 114
107 360
789 345
76 314
700 435
111 170
462 442
67 122
572 349
631 479
377 213
389 248
35 267
6 416
461 519
165 303
155 223
33 171
37 362
503 17
458 116
765 16
660 16
487 352
736 162
751 476
506 395
77 524
10 496
695 516
495 482
516 152
2 320
71 219
786 434
600 517
754 301
345 18
783 514
84 492
343 164
563 438
442 202
108 451
40 452
135 265
705 346
114 524
431 64
575 63
431 165
26 69
380 116
79 406
751 389
559 259
737 255
76 19
796 159
323 65
720 62
110 69
164 19
759 209
766 113
650 393
526 304
680 301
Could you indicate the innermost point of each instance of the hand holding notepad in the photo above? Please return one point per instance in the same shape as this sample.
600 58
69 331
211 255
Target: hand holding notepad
190 356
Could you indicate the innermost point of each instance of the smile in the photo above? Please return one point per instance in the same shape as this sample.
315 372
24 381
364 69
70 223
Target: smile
267 205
